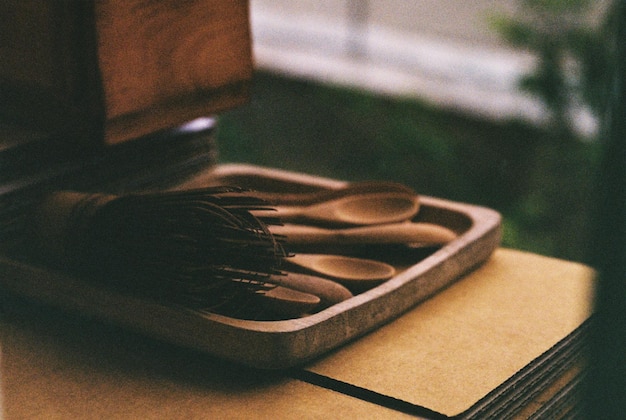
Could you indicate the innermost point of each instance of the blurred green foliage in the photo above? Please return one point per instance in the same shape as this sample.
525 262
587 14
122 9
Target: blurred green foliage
573 55
574 62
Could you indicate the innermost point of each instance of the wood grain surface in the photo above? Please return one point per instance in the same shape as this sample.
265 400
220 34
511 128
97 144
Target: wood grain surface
114 70
164 62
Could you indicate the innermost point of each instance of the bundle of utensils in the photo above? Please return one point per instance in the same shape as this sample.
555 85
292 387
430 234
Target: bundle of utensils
229 250
338 220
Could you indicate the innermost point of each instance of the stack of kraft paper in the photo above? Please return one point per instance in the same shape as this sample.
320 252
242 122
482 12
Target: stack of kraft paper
506 341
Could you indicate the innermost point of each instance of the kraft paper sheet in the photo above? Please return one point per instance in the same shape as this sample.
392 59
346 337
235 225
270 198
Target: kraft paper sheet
453 349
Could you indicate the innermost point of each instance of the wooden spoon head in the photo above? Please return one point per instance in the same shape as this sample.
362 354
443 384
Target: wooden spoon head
288 302
330 292
368 209
356 274
349 268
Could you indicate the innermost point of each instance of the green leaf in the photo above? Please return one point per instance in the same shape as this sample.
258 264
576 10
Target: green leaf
516 33
558 6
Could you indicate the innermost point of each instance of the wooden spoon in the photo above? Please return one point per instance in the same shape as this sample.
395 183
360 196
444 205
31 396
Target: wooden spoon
356 274
361 209
426 234
292 189
288 302
284 196
341 267
328 291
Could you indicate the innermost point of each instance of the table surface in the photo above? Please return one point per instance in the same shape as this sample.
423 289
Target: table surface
444 355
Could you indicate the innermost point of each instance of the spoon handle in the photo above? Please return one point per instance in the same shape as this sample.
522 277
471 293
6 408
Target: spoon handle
286 191
392 233
363 187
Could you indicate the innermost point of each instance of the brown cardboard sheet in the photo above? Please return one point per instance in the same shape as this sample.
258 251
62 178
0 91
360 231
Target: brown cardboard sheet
453 349
54 366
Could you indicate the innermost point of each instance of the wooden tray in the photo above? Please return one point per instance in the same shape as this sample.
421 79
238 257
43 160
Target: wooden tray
279 344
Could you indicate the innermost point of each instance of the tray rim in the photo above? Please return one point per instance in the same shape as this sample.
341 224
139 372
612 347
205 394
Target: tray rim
272 344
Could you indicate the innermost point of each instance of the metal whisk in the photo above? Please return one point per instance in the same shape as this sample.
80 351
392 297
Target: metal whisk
199 248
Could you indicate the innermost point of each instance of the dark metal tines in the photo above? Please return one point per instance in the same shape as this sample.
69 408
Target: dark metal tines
202 246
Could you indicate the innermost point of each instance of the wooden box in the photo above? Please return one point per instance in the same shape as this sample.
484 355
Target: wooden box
114 70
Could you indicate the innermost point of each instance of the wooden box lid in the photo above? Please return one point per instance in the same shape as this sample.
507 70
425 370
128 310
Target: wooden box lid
114 70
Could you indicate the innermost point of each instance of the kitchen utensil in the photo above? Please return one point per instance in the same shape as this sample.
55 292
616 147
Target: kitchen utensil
359 209
195 247
277 189
357 274
328 291
287 302
426 234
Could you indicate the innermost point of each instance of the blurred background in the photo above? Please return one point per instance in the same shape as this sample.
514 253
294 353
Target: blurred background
496 103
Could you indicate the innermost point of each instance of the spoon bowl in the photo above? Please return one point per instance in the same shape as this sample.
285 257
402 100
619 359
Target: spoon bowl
375 208
344 268
356 274
288 302
328 291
